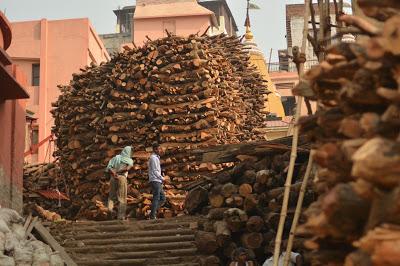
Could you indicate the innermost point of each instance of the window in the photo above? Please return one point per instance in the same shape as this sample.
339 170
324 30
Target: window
35 136
289 103
35 139
35 74
125 22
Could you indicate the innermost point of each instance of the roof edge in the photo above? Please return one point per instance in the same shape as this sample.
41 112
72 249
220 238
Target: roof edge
5 27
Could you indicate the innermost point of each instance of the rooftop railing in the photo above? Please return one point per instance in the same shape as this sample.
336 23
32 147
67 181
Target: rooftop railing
289 67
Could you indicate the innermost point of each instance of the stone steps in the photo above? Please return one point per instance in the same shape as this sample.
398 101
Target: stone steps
155 242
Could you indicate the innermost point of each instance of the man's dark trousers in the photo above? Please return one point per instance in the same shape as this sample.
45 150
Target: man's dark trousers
158 197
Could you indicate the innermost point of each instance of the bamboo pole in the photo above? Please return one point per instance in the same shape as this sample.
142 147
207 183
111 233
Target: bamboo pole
298 209
321 31
293 154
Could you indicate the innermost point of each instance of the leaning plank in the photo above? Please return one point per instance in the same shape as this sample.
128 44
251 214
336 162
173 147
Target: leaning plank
49 239
30 227
28 221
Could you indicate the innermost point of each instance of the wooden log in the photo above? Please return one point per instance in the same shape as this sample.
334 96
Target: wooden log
222 233
252 240
216 213
236 219
250 203
206 242
245 190
381 244
228 189
358 258
216 200
210 261
383 208
195 199
377 161
262 176
238 200
229 249
254 224
339 204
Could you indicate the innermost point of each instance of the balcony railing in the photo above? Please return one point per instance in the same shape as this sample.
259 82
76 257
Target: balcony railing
290 67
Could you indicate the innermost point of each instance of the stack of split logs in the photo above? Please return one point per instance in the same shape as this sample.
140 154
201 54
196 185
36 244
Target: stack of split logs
356 134
243 205
40 176
44 191
184 93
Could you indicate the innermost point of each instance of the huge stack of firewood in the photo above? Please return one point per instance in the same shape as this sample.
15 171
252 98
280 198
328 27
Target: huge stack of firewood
184 93
243 204
356 132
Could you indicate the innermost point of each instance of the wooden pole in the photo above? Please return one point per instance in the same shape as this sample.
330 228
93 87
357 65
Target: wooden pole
328 22
269 61
353 6
293 155
298 210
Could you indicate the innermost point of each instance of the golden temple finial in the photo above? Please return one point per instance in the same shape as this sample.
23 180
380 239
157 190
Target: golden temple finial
249 34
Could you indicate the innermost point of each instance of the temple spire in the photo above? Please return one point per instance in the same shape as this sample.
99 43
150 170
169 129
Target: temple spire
249 35
247 22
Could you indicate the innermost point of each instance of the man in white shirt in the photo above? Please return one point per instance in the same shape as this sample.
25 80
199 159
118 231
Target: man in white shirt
294 260
156 181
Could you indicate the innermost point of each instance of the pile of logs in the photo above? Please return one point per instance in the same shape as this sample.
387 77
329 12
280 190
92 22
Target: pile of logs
41 176
44 191
357 141
184 93
243 204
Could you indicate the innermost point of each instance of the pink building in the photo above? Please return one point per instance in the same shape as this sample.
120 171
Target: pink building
49 52
284 82
153 18
12 121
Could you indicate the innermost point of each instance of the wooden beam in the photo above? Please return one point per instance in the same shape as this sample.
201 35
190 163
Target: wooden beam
49 239
30 226
28 221
229 152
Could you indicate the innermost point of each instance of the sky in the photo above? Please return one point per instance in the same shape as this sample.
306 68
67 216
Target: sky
268 23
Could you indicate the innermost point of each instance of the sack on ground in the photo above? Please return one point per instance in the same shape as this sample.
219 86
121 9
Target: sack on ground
56 260
4 227
11 242
2 242
23 254
19 231
40 257
10 216
6 260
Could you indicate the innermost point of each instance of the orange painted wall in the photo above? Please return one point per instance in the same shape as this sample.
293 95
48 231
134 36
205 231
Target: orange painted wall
153 27
61 47
12 142
12 121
